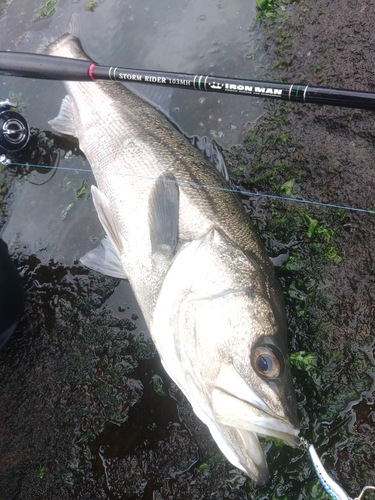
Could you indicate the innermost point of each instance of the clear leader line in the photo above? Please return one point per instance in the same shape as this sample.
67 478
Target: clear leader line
48 67
238 190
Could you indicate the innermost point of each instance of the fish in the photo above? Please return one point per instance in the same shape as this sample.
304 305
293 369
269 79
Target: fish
199 271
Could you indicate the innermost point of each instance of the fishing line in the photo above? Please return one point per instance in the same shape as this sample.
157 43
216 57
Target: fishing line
54 170
216 188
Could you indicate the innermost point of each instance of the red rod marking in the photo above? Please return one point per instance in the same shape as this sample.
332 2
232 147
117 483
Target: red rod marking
91 71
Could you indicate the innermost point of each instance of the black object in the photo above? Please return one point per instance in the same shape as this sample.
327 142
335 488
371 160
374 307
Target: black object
11 295
14 130
62 68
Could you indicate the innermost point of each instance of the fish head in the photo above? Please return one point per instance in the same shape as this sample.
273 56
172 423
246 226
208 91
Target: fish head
246 364
229 334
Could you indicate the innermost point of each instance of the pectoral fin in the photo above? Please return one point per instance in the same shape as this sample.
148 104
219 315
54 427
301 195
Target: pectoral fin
163 219
163 228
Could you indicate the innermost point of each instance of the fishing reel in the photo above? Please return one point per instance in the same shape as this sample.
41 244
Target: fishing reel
14 129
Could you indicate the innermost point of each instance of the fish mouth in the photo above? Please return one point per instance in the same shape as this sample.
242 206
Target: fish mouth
237 405
242 418
250 417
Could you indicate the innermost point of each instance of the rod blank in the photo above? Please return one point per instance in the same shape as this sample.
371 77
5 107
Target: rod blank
48 67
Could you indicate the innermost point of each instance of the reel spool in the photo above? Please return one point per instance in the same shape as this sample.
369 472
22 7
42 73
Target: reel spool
14 129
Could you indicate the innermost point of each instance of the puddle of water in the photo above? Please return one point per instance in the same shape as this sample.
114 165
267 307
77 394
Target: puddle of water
67 227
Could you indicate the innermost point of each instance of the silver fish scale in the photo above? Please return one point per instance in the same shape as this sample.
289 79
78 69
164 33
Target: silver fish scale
123 136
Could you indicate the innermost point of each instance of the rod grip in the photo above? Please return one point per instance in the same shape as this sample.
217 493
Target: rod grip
43 66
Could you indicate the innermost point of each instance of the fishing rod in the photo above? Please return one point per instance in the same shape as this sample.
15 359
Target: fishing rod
48 67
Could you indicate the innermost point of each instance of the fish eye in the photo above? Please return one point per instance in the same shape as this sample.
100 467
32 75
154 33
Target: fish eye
267 362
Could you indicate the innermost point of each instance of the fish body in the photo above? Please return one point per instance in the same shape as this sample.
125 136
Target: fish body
197 267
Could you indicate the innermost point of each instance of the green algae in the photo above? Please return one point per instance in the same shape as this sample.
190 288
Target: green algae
91 6
47 9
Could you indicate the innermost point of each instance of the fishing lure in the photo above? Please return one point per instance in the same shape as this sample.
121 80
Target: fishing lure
331 487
